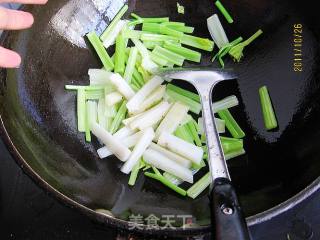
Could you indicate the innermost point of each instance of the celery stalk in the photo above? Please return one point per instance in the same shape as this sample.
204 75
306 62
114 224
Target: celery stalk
194 132
189 54
224 11
225 103
178 26
94 94
231 124
199 186
234 154
81 110
194 106
161 29
183 92
197 42
182 132
150 20
169 55
101 51
269 116
121 114
119 61
158 37
131 64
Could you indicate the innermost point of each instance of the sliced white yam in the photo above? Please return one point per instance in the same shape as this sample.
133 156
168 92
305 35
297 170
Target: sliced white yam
99 77
160 161
150 118
135 102
111 111
114 33
113 98
92 112
144 141
181 147
173 118
147 63
153 98
186 119
216 31
124 132
131 119
171 155
122 86
104 152
102 119
113 144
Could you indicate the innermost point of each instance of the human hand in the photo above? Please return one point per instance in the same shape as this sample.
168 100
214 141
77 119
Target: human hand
14 20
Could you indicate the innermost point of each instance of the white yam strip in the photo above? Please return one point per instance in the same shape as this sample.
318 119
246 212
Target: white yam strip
135 102
225 103
122 86
160 161
150 118
127 121
113 144
181 147
173 118
143 143
99 77
153 98
172 156
124 132
113 98
92 112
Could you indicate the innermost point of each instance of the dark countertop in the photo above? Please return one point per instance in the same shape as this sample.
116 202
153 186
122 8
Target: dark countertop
27 212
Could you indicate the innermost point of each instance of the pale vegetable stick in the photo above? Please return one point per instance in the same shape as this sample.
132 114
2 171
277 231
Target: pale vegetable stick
113 98
131 119
124 132
102 120
92 111
225 103
160 161
181 147
153 98
220 124
172 156
173 118
122 86
114 33
152 117
99 77
113 144
143 143
135 102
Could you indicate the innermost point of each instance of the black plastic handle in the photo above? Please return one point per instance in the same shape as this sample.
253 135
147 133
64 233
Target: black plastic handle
228 221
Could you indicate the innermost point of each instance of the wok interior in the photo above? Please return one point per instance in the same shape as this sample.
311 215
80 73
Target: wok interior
40 116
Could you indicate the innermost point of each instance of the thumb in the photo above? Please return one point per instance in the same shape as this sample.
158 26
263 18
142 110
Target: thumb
9 59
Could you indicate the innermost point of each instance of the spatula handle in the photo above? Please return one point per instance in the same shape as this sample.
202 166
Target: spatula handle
228 222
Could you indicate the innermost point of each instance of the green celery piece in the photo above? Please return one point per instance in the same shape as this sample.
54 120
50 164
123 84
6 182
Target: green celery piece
234 154
101 51
203 138
88 133
197 42
151 44
236 52
81 110
193 131
138 77
157 37
189 54
180 8
135 34
95 94
269 117
196 189
183 133
179 26
134 174
194 106
150 20
169 55
145 75
131 62
158 60
225 50
229 140
166 182
134 86
232 146
119 61
121 114
114 22
184 92
224 11
87 88
161 29
136 83
231 124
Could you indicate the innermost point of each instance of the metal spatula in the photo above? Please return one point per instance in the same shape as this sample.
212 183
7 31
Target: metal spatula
228 221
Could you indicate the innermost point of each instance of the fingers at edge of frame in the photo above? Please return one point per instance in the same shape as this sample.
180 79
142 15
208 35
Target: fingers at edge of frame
15 20
9 58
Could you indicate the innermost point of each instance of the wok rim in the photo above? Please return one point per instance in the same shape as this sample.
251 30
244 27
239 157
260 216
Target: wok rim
119 223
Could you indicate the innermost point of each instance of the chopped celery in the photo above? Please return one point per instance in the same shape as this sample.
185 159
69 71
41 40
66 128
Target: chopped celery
231 124
161 29
150 20
195 107
94 94
232 146
176 181
269 117
101 51
114 22
158 59
134 174
129 33
91 116
87 88
119 61
121 114
169 56
225 50
189 54
237 51
225 103
193 131
224 11
111 39
197 42
166 182
131 64
199 186
137 76
183 133
157 37
81 110
234 154
178 26
184 92
151 44
221 125
135 86
180 8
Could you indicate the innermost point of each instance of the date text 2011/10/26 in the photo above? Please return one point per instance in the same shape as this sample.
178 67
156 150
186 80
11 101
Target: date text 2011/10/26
297 47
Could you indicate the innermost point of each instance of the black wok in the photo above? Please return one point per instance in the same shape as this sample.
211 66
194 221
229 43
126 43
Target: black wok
38 120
